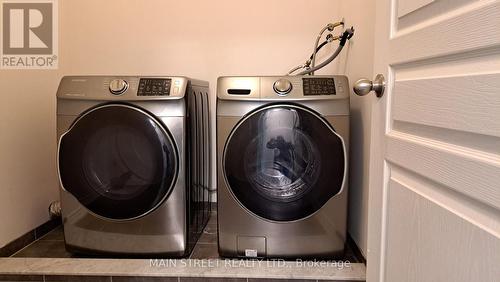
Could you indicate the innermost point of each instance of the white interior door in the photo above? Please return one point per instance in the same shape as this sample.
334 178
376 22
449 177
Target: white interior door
434 204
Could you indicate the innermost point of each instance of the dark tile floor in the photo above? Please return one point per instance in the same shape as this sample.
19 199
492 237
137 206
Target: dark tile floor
29 237
52 246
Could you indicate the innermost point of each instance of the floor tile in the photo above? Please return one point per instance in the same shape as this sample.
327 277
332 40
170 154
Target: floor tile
44 249
17 244
278 280
207 238
341 280
211 279
54 235
220 268
211 228
205 251
349 254
47 227
7 277
144 279
52 246
213 218
77 278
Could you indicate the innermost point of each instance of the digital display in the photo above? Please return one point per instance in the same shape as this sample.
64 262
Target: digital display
318 86
154 87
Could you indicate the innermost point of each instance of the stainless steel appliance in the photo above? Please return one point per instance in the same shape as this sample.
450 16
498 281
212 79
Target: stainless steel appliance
282 162
133 163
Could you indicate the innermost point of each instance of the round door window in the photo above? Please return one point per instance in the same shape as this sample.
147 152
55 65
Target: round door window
118 161
284 162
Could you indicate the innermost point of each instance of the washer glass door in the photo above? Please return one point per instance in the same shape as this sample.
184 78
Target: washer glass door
118 161
284 162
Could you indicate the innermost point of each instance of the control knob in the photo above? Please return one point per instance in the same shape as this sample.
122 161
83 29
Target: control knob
118 86
282 86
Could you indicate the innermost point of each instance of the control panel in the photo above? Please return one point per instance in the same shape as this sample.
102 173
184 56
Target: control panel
154 87
296 87
318 86
125 87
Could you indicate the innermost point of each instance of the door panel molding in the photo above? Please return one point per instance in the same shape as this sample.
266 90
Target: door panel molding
469 28
459 170
465 103
486 146
459 241
476 212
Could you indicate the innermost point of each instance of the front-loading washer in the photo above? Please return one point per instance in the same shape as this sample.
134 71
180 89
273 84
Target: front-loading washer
282 163
133 165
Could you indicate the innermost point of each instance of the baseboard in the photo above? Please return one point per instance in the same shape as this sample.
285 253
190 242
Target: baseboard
29 237
213 206
357 252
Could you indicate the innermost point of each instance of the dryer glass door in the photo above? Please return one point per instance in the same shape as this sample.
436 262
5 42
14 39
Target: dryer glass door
118 161
284 162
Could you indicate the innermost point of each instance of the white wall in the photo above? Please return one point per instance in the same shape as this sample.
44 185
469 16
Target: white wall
28 180
202 39
356 61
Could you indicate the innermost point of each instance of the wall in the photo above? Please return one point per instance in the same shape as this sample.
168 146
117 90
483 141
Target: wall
356 61
203 39
28 180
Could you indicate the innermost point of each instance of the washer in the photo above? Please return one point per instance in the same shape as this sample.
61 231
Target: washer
133 165
282 162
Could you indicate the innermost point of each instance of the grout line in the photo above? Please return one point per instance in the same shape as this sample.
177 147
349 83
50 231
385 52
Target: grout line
34 241
25 247
43 236
48 234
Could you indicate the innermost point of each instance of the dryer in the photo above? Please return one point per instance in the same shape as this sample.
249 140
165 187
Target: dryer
132 164
282 163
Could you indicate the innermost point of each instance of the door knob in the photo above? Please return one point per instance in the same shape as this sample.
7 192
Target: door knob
364 86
